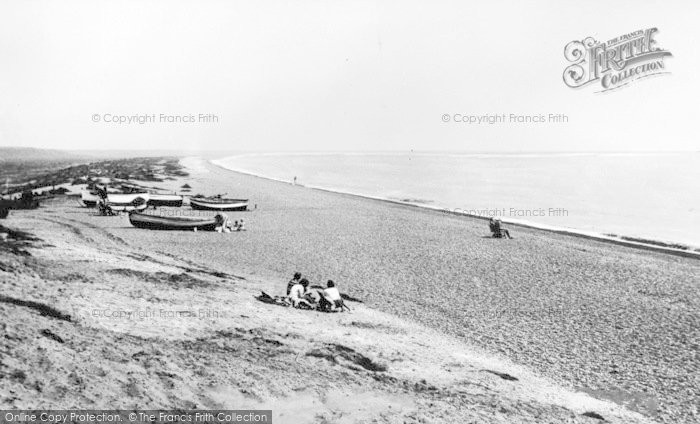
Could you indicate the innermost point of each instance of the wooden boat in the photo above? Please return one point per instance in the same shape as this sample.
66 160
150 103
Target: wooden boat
155 222
5 206
128 208
218 204
89 198
156 199
125 198
27 201
127 202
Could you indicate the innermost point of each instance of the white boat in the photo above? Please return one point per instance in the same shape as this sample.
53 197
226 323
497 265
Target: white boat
218 204
121 198
89 198
127 202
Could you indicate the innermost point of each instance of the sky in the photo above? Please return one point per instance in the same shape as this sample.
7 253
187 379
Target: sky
335 75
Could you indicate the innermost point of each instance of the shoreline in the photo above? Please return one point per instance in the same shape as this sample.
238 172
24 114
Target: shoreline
621 240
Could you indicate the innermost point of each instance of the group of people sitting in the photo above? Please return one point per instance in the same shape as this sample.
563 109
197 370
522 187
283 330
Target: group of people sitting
302 296
497 230
226 226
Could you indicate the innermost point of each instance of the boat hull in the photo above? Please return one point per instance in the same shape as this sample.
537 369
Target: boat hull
128 208
219 204
89 199
127 202
18 204
124 199
153 222
165 200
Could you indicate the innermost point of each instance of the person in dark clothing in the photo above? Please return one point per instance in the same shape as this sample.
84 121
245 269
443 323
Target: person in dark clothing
295 280
493 228
101 192
497 231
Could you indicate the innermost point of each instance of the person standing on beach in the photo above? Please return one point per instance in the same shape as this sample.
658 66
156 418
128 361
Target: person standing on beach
295 180
293 281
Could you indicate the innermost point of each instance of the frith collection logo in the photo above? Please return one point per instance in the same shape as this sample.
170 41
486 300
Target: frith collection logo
616 62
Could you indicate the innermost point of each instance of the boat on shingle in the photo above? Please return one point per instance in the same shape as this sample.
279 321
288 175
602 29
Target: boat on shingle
181 223
127 202
89 198
218 204
161 199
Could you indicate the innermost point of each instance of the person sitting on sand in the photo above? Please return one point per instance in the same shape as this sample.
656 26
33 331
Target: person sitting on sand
297 295
497 230
293 281
241 226
504 231
222 223
331 299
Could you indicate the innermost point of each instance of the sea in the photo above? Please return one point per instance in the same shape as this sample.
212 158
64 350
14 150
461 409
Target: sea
649 196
